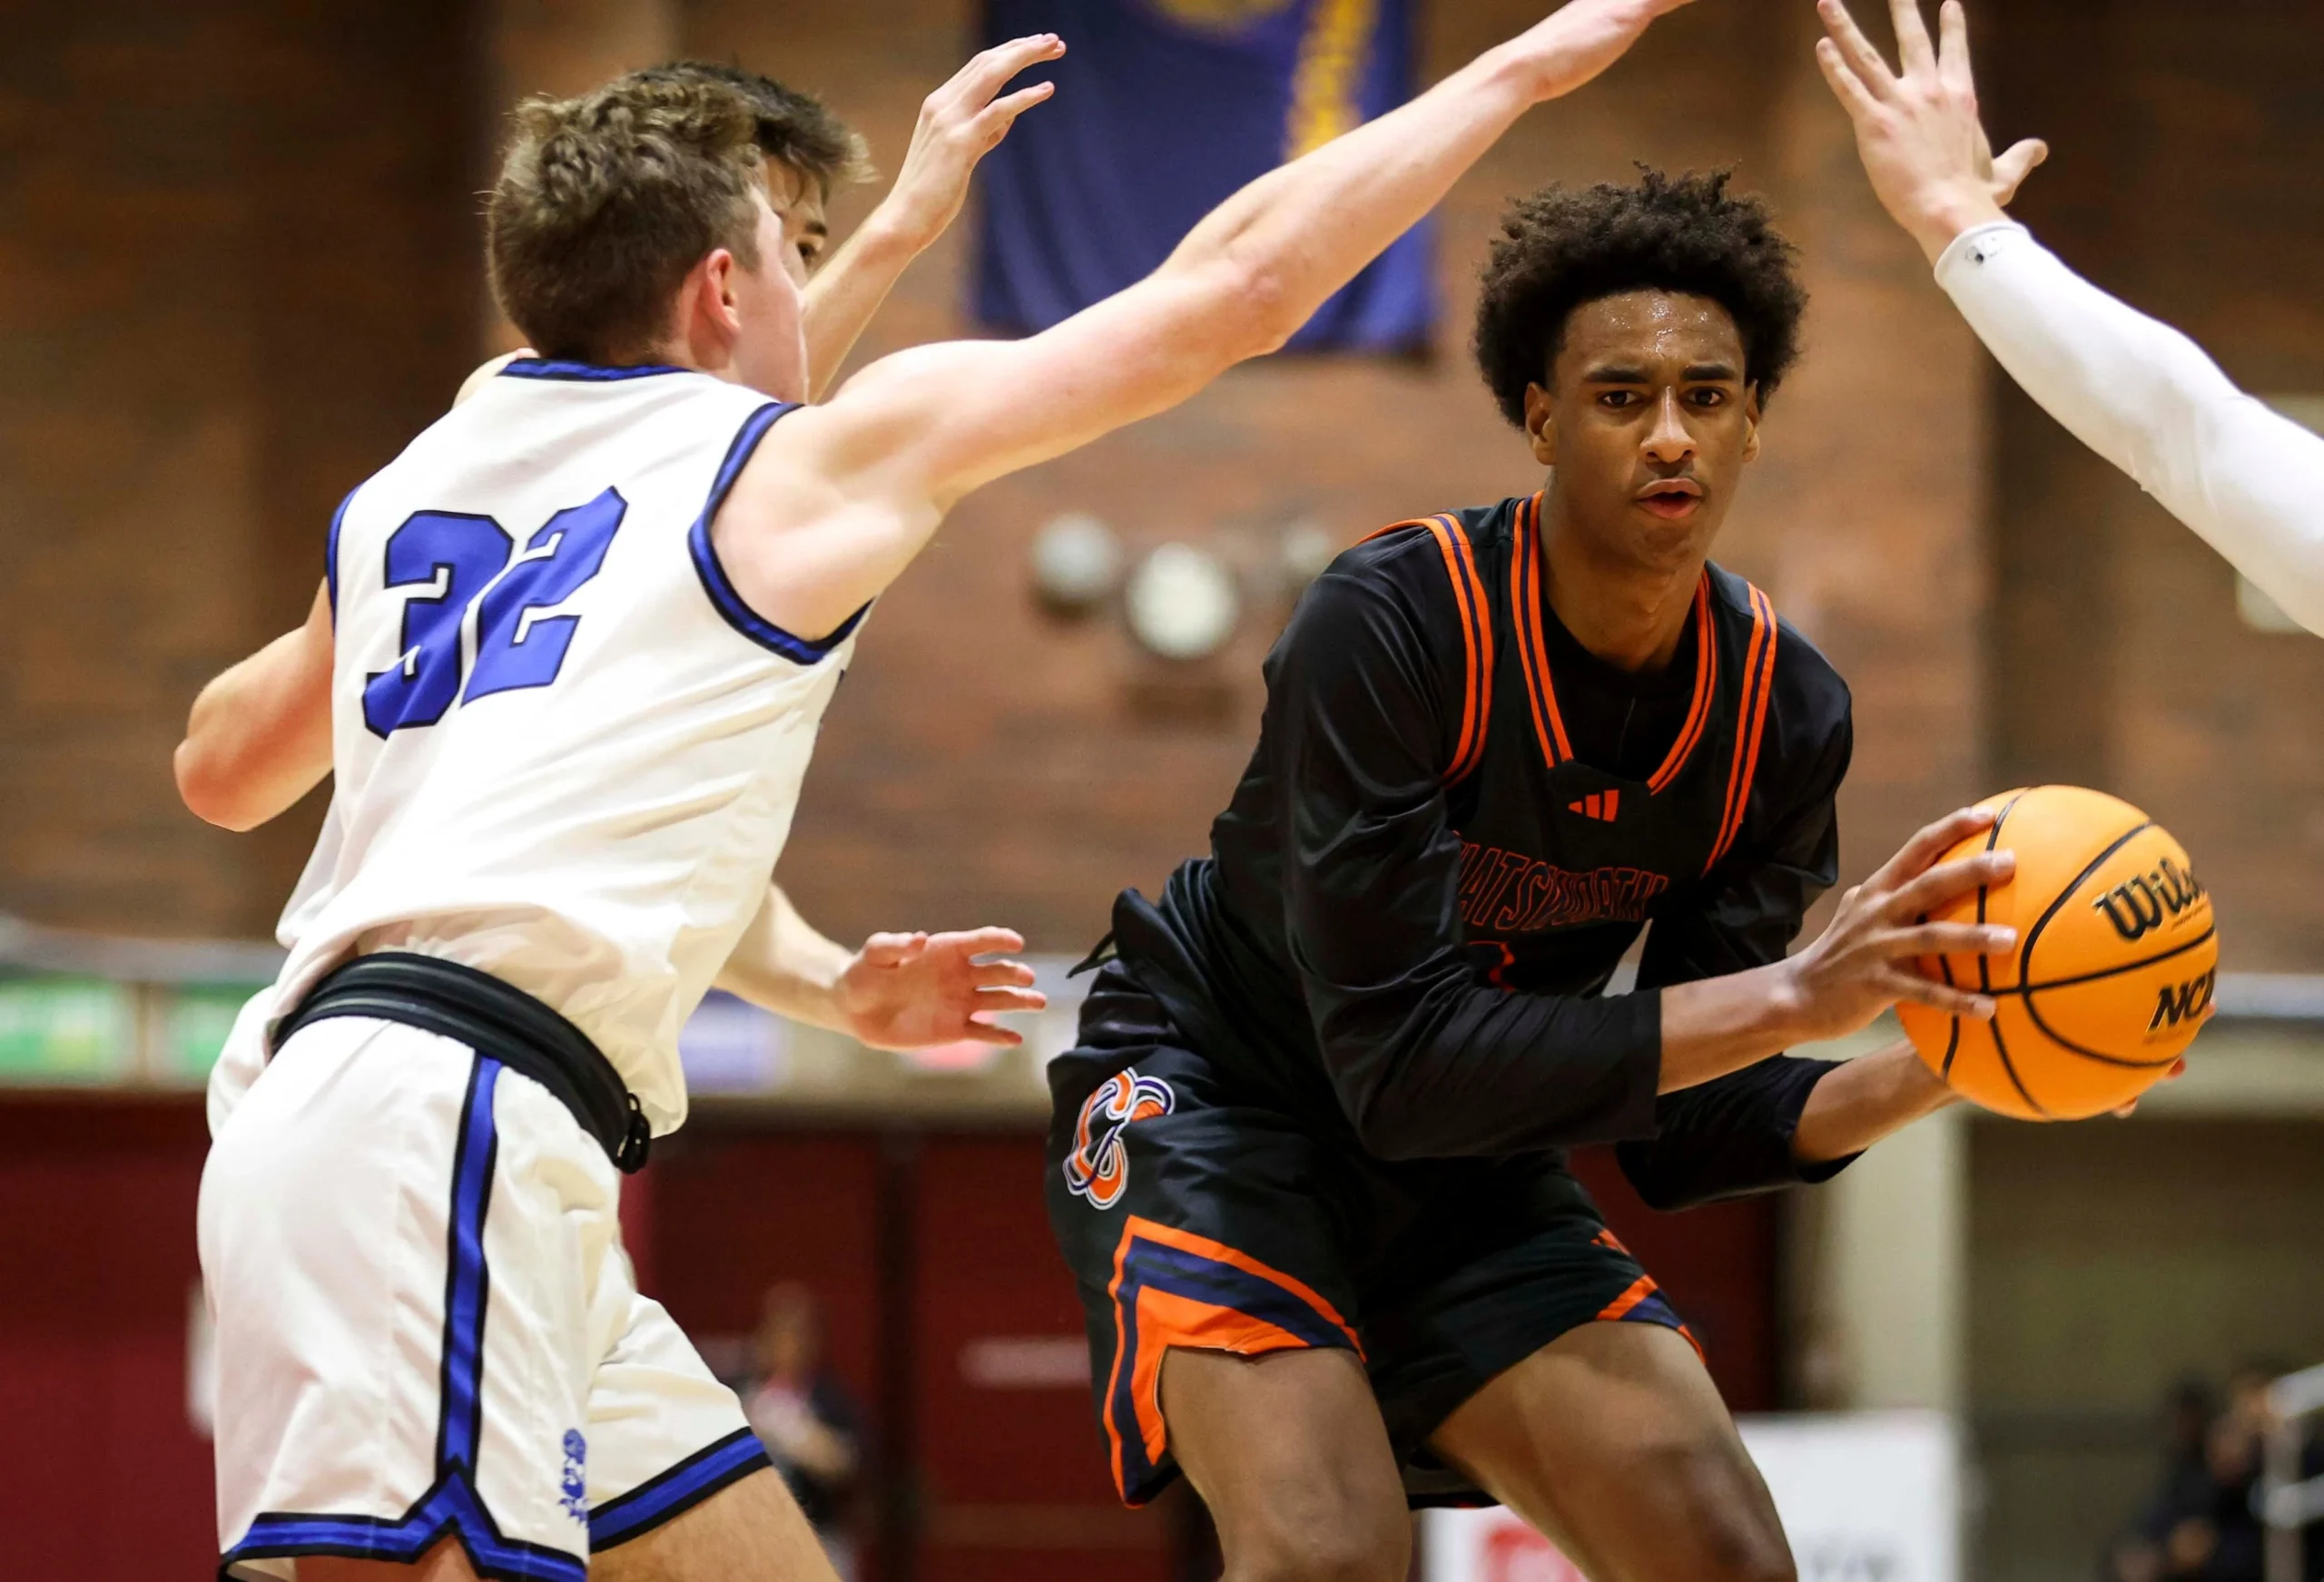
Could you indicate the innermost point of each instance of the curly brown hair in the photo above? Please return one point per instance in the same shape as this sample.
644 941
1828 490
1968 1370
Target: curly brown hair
604 201
1560 249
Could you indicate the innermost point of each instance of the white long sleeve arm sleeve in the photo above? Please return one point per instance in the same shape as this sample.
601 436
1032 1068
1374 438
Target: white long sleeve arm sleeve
2139 393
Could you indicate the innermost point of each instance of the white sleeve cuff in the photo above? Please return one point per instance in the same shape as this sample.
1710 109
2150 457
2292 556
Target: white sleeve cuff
1979 245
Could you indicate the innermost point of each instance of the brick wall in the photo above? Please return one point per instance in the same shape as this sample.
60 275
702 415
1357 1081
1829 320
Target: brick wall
241 285
235 275
983 763
2184 144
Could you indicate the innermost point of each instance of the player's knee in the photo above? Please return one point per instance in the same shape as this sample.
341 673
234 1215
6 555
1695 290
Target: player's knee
1320 1536
1732 1520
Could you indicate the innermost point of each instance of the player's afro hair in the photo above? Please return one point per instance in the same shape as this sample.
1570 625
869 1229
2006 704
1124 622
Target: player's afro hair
1560 249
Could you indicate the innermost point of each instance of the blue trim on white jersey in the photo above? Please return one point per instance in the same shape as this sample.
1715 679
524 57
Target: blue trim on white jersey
589 373
331 549
679 1489
452 1505
714 581
468 1283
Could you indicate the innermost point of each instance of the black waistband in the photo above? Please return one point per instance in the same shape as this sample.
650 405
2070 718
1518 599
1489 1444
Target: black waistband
494 1019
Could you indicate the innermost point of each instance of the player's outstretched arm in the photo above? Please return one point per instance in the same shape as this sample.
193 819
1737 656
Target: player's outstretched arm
840 498
960 124
2134 391
899 991
258 737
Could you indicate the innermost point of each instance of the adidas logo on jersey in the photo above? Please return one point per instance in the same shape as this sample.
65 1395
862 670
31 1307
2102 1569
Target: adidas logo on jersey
1599 805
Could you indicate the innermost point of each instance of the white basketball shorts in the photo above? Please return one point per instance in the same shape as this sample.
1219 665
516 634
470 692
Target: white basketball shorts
427 1326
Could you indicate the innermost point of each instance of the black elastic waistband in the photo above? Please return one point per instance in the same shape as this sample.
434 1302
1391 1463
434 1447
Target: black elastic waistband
494 1019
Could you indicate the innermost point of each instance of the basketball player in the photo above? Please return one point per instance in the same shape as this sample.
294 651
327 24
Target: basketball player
259 738
1308 1160
584 630
2137 392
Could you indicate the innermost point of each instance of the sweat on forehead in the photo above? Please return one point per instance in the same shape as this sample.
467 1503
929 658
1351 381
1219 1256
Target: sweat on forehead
1659 334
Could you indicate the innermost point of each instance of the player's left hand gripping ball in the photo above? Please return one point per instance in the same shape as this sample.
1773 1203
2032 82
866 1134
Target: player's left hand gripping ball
2115 967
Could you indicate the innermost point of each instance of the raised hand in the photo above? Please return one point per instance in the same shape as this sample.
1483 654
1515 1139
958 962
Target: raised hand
1583 39
912 991
1861 963
960 124
1917 128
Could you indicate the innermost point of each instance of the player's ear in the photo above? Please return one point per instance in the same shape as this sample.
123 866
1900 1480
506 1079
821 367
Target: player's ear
706 304
1751 422
1542 424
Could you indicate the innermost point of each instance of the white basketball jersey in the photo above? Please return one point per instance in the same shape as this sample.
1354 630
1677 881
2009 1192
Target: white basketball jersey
565 752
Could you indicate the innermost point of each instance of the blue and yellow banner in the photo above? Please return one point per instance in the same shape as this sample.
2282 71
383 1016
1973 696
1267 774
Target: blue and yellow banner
1163 109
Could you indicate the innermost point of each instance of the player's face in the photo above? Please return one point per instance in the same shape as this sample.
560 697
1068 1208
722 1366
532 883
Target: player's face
1647 423
771 346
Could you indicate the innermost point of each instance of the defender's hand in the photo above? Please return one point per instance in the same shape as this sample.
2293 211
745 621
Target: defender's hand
1583 39
1860 966
960 124
1917 130
911 991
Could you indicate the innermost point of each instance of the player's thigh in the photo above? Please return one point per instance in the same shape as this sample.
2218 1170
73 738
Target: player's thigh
1288 1452
1613 1441
749 1531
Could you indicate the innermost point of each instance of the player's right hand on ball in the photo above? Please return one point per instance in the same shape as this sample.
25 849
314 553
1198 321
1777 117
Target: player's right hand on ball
1863 963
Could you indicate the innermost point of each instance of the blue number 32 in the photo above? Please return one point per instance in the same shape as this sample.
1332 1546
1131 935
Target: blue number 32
460 557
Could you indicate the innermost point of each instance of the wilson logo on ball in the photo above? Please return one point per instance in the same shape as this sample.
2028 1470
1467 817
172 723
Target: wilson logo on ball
2137 907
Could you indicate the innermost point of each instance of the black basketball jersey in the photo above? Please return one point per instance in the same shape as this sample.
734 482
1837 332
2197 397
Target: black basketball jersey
1455 823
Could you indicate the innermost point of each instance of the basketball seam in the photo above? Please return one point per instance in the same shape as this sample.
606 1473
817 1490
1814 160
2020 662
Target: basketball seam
2066 893
1985 962
2080 978
2009 1066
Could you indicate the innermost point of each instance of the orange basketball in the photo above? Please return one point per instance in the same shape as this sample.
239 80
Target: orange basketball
2115 964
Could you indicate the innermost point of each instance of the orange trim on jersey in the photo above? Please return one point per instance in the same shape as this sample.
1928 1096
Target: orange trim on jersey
1166 1319
1476 636
1758 682
1706 686
1156 1319
1525 569
1476 640
1640 1289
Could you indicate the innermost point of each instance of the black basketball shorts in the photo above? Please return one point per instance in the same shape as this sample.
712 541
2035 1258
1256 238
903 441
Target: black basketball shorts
1194 1216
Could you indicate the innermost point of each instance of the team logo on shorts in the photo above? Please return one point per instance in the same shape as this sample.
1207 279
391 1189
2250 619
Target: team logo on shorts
575 1485
1098 1168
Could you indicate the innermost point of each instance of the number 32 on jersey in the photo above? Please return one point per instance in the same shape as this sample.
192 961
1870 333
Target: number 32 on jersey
463 559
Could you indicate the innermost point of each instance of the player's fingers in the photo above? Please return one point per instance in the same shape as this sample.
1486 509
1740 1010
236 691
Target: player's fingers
1943 996
1865 60
973 86
987 941
1914 51
1854 97
994 121
2010 169
976 1032
1000 975
1008 1000
1953 48
1933 841
1940 884
891 949
1949 940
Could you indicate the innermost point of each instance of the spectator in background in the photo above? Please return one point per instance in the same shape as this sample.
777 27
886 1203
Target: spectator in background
806 1419
2202 1523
